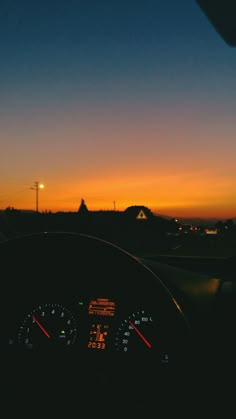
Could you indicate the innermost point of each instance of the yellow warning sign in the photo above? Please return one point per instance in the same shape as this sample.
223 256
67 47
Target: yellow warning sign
141 215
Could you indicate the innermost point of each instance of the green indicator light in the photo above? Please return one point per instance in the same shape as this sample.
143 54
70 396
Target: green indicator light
62 332
81 303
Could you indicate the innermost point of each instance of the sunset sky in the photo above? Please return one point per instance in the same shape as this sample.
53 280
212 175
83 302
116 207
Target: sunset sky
129 101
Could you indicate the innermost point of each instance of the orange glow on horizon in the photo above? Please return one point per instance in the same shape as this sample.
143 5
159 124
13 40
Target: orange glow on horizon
130 156
184 194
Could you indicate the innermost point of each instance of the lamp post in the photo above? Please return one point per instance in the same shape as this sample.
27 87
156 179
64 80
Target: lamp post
36 188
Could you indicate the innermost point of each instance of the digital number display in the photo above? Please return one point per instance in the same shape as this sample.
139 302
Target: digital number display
97 336
100 309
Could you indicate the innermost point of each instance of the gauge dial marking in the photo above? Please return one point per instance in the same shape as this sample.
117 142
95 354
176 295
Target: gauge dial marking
137 333
48 324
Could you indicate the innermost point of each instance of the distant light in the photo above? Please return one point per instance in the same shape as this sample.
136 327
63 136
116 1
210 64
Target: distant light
41 186
176 220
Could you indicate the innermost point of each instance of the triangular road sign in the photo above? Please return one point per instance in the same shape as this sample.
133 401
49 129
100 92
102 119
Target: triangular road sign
141 215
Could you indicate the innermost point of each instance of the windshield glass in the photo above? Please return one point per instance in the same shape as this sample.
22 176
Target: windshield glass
115 107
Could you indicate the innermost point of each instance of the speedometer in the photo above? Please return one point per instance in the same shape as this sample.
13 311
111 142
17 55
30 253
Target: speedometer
138 333
135 333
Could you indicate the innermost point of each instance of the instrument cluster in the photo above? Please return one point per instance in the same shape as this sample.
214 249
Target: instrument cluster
94 325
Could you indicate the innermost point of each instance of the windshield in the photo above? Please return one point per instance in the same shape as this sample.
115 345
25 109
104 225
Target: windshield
115 107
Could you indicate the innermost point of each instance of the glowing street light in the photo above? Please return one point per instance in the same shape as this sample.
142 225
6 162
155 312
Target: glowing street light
36 188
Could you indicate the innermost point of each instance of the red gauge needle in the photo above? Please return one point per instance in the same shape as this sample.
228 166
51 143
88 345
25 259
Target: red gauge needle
41 327
140 334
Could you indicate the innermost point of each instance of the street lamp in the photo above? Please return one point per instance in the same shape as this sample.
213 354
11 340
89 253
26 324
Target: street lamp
36 188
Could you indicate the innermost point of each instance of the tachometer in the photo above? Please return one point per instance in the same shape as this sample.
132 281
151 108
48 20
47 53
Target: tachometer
47 324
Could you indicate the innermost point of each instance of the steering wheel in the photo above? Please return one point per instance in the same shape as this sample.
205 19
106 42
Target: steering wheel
74 305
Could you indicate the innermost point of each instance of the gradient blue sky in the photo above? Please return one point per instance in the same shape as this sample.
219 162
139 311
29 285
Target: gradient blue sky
127 101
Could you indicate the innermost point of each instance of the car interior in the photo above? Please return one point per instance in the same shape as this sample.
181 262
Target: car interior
88 326
83 307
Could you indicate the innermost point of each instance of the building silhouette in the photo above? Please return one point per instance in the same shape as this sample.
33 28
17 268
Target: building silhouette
83 208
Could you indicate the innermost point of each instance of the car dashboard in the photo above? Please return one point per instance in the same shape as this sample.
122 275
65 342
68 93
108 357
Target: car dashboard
82 295
78 307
